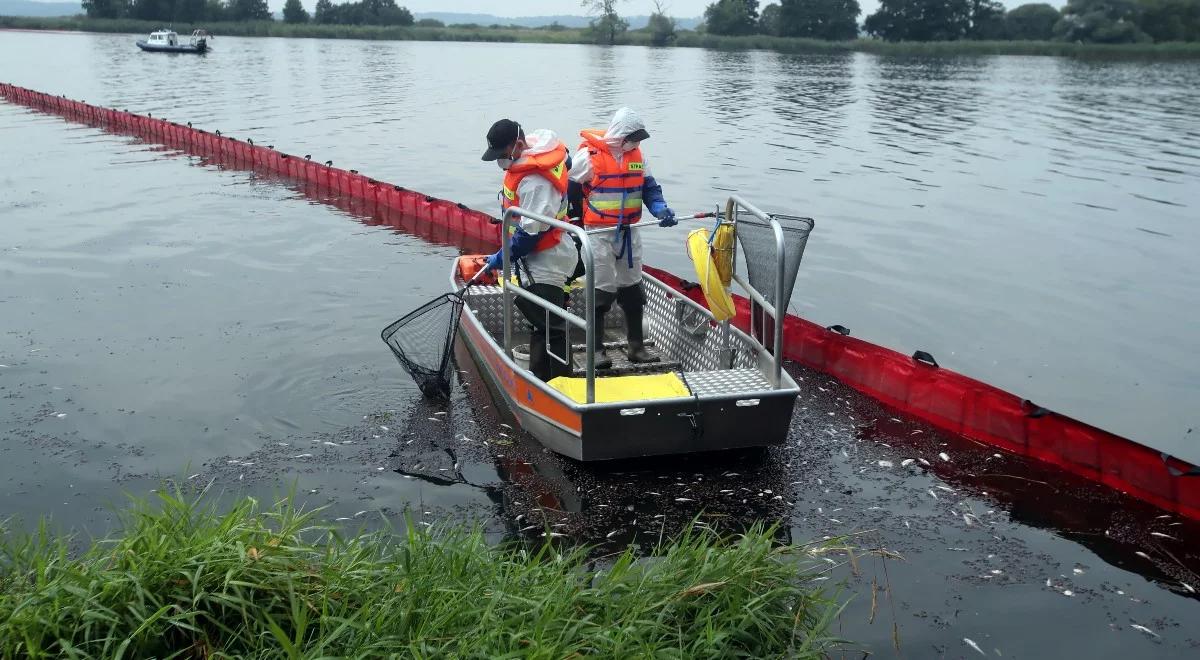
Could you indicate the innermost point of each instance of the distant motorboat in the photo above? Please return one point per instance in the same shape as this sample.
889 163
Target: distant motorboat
167 41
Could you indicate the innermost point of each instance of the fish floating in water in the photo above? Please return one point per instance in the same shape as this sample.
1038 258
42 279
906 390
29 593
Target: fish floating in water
973 645
907 462
886 464
1144 629
944 457
1163 536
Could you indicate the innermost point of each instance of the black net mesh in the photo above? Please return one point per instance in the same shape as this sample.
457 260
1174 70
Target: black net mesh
423 342
758 246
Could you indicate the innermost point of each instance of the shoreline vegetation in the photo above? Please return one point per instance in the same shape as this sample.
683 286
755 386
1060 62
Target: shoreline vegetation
185 579
683 38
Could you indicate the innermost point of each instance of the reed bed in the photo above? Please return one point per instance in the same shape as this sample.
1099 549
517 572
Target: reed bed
183 579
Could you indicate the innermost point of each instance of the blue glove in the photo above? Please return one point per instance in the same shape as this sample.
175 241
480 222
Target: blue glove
666 217
495 262
653 197
520 245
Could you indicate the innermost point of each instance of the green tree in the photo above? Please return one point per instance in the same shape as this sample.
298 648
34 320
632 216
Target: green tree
1033 21
430 23
732 17
323 12
249 10
1170 20
920 20
819 19
660 26
768 20
215 10
294 12
189 11
608 25
987 21
1100 21
106 8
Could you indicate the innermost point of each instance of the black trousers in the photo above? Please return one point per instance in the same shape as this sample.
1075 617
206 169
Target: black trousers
541 363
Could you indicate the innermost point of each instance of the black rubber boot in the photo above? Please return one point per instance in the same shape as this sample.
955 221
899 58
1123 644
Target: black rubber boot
604 301
633 301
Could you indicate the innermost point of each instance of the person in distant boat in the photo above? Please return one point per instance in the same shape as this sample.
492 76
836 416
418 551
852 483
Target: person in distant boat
610 181
535 178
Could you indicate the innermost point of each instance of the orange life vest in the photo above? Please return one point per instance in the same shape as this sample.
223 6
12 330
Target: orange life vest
614 195
551 165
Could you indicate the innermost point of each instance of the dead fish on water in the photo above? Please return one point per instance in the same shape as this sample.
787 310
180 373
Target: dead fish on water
683 499
974 646
923 461
1143 555
932 494
303 456
612 533
886 464
1144 629
383 428
946 488
331 444
906 462
1163 536
943 456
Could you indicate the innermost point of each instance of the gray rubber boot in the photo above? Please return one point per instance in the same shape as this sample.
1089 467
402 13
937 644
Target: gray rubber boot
604 301
633 301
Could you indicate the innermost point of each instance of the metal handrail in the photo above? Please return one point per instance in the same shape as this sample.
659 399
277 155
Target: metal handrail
731 208
585 253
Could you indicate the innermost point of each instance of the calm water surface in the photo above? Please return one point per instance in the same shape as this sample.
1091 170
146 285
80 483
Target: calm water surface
1029 221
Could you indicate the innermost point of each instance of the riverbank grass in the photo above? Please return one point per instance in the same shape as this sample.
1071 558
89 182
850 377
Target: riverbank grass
183 580
684 39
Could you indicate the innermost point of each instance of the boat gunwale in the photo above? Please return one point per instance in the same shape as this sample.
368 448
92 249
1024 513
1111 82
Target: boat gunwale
792 390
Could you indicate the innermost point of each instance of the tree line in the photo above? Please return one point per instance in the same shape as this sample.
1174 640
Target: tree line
363 12
1089 21
1086 21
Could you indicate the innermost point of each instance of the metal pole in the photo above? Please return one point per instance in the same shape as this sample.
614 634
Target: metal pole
505 270
731 206
585 253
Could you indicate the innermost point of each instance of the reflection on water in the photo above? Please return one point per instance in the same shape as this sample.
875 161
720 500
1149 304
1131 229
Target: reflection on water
1027 220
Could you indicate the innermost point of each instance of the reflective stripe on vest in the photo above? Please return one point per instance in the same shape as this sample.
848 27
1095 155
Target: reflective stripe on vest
614 195
552 166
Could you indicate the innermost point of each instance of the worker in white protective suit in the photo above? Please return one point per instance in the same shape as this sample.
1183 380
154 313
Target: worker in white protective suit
535 179
610 181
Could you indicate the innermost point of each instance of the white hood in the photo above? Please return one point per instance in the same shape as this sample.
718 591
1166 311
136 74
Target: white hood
539 142
624 122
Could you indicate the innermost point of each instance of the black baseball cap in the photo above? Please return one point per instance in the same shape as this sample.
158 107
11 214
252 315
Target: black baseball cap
500 138
637 136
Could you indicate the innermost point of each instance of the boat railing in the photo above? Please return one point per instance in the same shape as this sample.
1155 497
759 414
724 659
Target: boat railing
511 292
733 206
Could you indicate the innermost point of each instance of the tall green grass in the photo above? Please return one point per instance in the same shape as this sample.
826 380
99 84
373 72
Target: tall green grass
685 38
183 580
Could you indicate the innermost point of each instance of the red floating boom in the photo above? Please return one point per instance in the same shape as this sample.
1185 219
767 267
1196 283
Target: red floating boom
916 385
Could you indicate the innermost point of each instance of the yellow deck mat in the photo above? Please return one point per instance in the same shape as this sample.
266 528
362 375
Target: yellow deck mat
611 389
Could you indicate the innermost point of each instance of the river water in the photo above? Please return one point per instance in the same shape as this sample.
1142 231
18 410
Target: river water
1029 221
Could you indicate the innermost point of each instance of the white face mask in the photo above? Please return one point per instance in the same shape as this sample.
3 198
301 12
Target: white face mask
504 163
628 146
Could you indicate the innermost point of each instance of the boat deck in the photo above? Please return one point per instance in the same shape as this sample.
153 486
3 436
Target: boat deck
686 343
